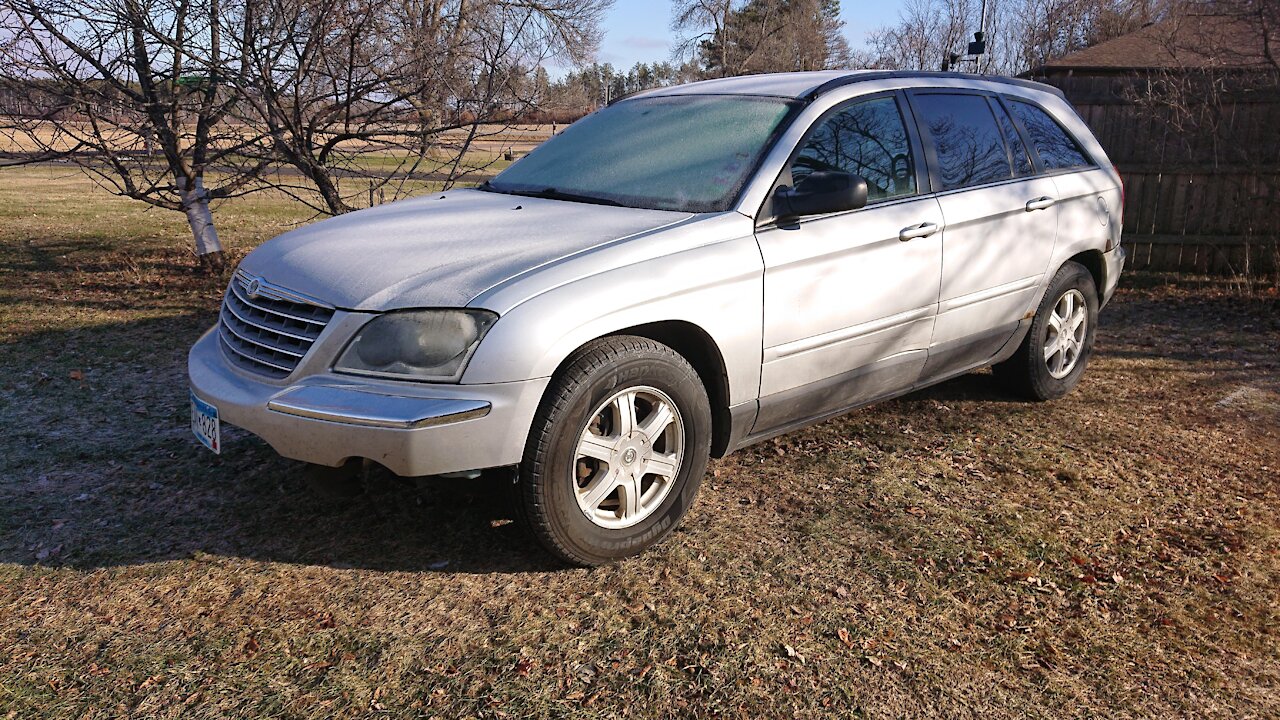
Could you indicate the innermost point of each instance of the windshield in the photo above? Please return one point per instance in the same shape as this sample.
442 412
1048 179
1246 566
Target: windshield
691 153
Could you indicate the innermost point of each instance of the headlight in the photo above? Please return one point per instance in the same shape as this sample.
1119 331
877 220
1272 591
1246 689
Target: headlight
417 344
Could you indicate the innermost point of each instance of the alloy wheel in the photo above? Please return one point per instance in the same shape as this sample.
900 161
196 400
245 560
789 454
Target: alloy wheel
628 457
1068 324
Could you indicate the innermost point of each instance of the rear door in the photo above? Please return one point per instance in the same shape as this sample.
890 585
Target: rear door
1001 223
1088 198
848 304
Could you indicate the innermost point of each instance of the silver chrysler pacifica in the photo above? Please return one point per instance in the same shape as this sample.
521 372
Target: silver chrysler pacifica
679 275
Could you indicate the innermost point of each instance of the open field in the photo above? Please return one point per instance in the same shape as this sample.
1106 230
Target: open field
954 553
489 139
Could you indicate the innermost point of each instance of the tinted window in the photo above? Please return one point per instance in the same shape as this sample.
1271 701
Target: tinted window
1057 149
866 139
966 138
1017 149
686 152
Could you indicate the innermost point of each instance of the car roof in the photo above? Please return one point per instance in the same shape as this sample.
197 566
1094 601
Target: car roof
788 85
809 85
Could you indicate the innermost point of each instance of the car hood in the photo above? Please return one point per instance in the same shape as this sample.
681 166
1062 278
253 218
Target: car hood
439 250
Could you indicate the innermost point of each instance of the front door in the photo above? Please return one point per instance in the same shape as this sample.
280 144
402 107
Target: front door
849 298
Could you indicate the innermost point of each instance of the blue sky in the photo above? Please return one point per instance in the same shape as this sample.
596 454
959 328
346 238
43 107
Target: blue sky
640 30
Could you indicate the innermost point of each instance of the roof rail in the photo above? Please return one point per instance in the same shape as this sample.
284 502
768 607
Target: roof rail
869 75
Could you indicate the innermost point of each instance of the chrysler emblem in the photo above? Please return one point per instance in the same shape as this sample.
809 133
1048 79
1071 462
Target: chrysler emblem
254 288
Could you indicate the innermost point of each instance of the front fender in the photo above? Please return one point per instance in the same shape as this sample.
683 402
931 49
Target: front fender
717 286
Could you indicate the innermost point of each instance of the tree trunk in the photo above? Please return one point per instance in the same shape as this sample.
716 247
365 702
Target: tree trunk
195 203
328 189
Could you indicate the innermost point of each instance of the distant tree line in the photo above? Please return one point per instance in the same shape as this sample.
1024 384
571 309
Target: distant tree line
722 38
716 38
585 88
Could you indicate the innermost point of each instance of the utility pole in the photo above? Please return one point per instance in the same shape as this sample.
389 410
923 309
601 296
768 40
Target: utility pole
979 45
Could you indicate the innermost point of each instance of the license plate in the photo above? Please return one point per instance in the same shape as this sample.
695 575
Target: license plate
205 424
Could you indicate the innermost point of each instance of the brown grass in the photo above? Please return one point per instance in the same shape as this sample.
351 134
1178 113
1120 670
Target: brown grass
954 553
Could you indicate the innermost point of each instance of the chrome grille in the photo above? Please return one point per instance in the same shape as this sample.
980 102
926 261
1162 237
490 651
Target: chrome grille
268 329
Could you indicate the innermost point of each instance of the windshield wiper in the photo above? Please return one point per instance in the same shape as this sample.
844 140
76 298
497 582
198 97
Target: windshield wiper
551 193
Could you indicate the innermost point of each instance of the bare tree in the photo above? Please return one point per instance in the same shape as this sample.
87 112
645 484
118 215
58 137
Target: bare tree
1045 29
926 32
1020 34
178 102
136 93
698 22
359 95
761 35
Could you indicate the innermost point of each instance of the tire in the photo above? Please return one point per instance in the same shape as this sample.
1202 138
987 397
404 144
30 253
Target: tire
1029 372
565 498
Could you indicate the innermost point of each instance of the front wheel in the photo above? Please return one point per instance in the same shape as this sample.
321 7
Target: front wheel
616 452
1058 345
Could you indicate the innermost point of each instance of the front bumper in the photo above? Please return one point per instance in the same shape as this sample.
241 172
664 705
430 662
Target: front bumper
1114 261
411 428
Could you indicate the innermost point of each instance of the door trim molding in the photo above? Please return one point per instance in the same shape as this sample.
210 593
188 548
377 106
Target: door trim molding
990 293
817 342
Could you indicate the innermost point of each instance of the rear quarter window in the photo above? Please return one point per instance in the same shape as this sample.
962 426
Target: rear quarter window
1057 149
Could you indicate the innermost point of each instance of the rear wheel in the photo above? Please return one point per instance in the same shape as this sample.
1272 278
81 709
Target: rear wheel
1053 356
616 452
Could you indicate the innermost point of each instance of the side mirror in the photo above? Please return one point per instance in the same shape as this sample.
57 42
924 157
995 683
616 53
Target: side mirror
819 193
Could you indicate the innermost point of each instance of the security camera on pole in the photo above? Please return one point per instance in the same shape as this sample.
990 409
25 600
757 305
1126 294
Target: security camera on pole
976 49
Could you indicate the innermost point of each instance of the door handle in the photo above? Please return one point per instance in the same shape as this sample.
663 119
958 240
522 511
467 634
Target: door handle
918 231
1040 203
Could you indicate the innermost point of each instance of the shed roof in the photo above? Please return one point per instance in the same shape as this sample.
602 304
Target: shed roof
1189 41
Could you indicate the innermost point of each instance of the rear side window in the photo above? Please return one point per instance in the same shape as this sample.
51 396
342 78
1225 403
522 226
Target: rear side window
965 137
1057 149
868 139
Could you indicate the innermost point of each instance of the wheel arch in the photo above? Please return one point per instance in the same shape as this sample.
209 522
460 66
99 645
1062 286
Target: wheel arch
1093 261
696 346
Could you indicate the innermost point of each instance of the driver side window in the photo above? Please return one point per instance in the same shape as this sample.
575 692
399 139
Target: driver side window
868 139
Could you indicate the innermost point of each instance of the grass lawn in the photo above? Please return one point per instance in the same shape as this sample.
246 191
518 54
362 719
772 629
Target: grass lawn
954 553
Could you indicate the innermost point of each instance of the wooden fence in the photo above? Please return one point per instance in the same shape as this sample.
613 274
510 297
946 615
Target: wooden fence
1195 201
